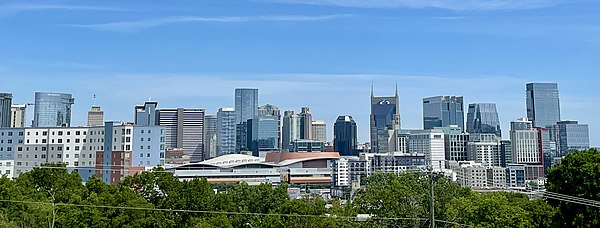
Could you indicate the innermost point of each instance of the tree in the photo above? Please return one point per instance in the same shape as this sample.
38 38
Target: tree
577 175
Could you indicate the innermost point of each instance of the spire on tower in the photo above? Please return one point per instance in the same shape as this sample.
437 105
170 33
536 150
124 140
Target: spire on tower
396 88
372 90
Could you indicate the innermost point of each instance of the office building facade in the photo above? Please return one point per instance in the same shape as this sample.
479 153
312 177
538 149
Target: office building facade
18 116
571 136
272 110
226 131
210 136
145 115
263 134
246 104
290 130
483 118
345 136
319 130
5 109
184 130
543 104
52 109
525 146
385 123
443 111
95 117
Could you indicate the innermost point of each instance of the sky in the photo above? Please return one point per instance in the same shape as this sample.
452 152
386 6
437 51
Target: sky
324 54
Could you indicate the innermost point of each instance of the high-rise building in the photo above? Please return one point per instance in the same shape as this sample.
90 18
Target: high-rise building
484 149
246 108
571 136
543 104
52 109
505 153
319 130
210 136
226 131
525 142
483 118
430 143
95 117
184 130
268 109
305 118
263 134
145 115
443 111
345 137
290 130
455 143
246 104
17 117
5 109
385 123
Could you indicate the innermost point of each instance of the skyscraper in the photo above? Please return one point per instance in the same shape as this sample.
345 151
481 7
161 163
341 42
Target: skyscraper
268 109
345 136
246 104
184 130
571 136
263 134
17 117
52 109
5 109
210 136
525 146
443 111
483 118
145 115
226 126
543 104
305 123
246 108
319 130
95 117
290 130
385 122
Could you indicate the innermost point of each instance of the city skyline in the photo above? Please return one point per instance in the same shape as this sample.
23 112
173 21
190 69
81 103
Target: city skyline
314 55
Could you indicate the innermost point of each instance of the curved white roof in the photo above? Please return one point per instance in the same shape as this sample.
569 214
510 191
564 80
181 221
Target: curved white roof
230 160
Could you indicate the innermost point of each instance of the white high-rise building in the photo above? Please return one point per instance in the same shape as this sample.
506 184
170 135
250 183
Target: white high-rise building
484 149
431 144
17 117
525 142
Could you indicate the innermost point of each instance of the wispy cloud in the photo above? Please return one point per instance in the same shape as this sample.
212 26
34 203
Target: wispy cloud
457 5
131 26
12 9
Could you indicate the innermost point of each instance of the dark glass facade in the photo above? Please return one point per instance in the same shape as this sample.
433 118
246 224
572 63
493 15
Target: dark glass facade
443 111
5 105
385 122
246 104
543 104
345 136
483 118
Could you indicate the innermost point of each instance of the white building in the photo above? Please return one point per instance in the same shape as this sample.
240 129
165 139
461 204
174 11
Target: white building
525 142
17 117
431 144
319 130
484 149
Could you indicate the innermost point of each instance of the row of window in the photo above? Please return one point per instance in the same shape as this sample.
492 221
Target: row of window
10 133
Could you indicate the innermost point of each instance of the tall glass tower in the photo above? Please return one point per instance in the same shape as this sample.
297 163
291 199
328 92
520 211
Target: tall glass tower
226 131
385 122
345 136
483 118
246 105
52 109
543 104
443 111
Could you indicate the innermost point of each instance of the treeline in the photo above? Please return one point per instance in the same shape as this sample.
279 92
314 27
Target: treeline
51 197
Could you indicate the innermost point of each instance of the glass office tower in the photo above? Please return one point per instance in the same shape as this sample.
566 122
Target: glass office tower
345 136
443 111
5 109
246 104
52 109
483 118
543 104
385 123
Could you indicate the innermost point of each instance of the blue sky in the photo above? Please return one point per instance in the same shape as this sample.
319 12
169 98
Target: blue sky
319 53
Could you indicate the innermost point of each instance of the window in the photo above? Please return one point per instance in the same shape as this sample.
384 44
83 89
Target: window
20 133
142 131
59 156
44 141
78 133
19 148
76 148
45 133
68 140
141 147
19 156
37 133
60 133
142 139
43 156
148 155
44 148
128 147
8 148
162 155
148 139
59 148
148 147
141 155
149 131
77 140
59 140
9 133
66 155
76 155
76 163
68 148
9 141
129 131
